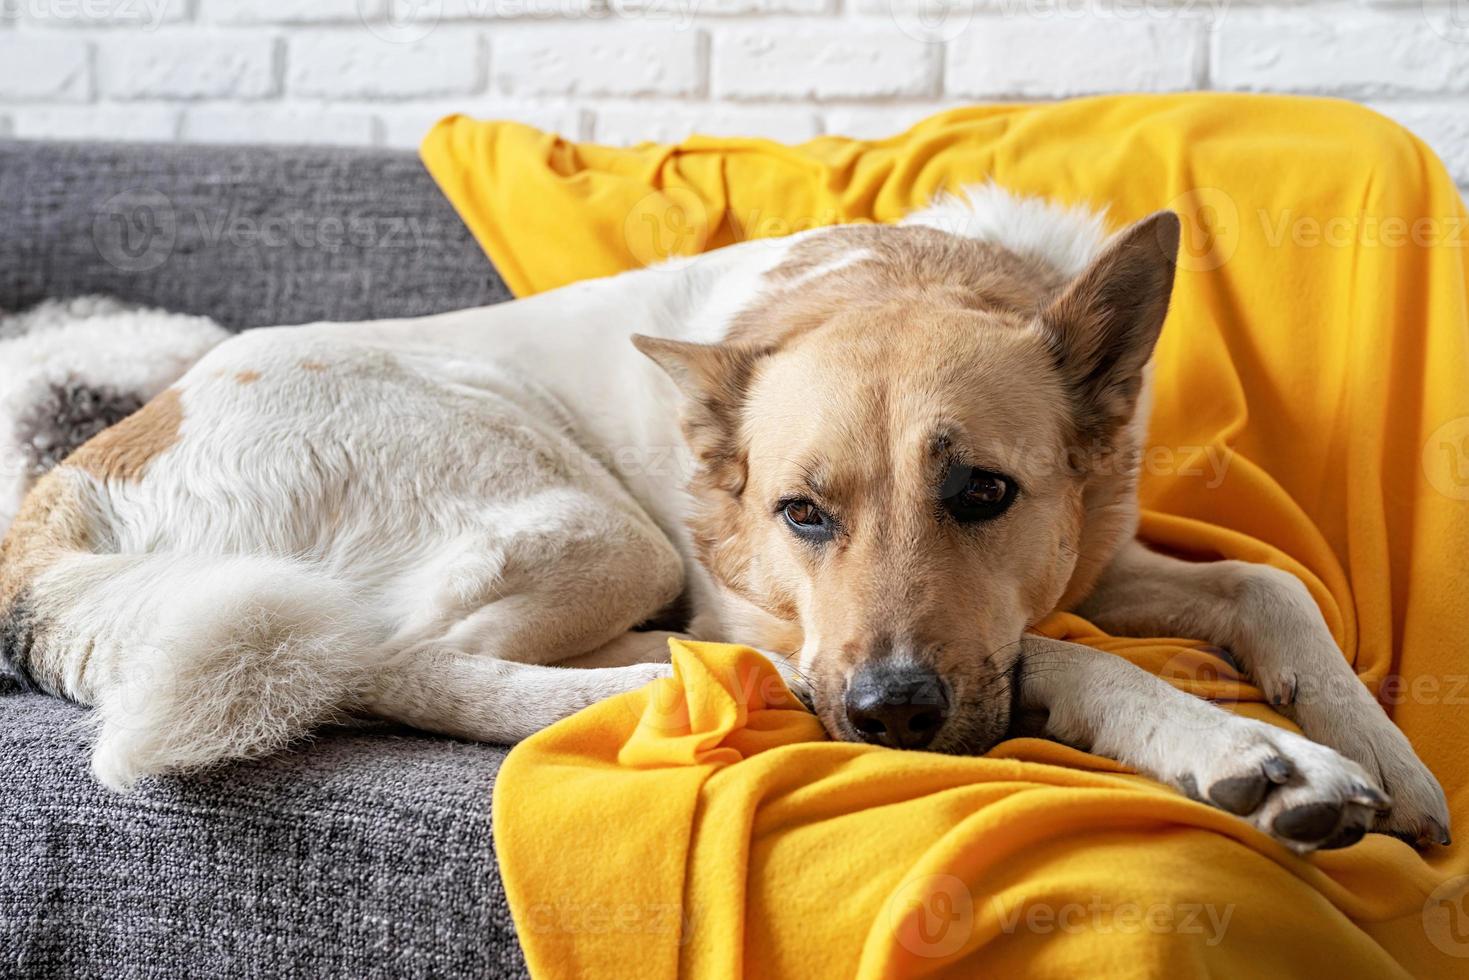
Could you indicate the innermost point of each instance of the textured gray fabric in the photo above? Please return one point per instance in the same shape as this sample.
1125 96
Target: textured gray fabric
363 853
251 236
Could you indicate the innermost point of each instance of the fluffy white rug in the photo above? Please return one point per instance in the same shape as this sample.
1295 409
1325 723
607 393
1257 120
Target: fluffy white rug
70 368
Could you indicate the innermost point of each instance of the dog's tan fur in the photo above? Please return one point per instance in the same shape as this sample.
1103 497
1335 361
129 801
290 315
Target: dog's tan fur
124 451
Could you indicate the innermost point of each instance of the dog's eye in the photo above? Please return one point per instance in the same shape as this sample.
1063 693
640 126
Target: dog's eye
807 520
971 494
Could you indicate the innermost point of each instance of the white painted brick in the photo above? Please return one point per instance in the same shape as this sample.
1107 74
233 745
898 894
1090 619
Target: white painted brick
268 123
1041 57
599 61
158 123
1443 126
1360 54
178 65
406 125
622 126
448 11
359 64
684 11
825 63
138 14
44 69
290 11
877 122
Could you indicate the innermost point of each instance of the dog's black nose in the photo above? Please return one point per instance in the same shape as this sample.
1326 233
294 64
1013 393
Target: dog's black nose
900 705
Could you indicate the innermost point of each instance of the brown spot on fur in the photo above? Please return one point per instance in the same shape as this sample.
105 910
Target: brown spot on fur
124 451
315 367
247 377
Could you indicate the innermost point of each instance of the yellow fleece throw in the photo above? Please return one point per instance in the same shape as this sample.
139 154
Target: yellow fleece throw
1311 411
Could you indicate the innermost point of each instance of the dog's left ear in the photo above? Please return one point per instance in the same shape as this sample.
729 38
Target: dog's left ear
714 380
1104 326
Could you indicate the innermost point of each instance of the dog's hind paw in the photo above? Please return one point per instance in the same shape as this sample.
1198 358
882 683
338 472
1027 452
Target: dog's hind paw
1305 795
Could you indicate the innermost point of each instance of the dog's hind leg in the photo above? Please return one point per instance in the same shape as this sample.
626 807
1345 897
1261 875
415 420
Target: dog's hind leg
557 579
481 698
1268 621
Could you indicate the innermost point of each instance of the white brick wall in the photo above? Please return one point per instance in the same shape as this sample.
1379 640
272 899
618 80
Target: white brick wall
381 71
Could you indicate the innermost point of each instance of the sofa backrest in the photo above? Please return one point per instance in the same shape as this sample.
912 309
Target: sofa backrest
249 235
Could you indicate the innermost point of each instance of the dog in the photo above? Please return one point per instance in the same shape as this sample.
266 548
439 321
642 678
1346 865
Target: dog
878 453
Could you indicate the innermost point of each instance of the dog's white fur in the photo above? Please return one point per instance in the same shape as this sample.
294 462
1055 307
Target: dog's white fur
429 519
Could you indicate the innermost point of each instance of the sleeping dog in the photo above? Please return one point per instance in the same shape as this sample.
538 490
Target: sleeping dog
878 453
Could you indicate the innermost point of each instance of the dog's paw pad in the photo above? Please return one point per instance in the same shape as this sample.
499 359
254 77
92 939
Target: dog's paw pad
1308 822
1240 794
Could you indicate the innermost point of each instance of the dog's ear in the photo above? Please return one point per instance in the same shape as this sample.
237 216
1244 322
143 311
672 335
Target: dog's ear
1103 327
714 380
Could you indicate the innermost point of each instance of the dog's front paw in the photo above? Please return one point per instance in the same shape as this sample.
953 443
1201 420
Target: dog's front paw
1420 812
1305 795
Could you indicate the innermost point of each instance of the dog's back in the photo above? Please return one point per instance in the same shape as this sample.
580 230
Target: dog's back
218 573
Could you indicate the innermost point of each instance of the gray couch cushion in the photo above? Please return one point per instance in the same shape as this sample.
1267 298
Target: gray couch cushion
251 236
360 854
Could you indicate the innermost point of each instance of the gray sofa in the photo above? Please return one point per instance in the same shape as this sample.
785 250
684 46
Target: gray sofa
365 853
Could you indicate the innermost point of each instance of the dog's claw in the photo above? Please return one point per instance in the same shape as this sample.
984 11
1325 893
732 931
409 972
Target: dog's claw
1371 796
1278 770
1438 833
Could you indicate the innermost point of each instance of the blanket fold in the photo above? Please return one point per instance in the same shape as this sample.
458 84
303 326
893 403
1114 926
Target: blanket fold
1311 411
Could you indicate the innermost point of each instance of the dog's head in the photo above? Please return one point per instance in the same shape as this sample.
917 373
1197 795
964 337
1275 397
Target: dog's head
905 461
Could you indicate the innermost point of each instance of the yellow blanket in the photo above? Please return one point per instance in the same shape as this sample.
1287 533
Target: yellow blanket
1312 411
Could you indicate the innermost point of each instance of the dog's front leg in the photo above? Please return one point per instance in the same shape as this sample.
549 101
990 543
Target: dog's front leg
1268 621
1303 794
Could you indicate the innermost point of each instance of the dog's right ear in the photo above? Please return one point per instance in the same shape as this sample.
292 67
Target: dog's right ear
714 380
1103 327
